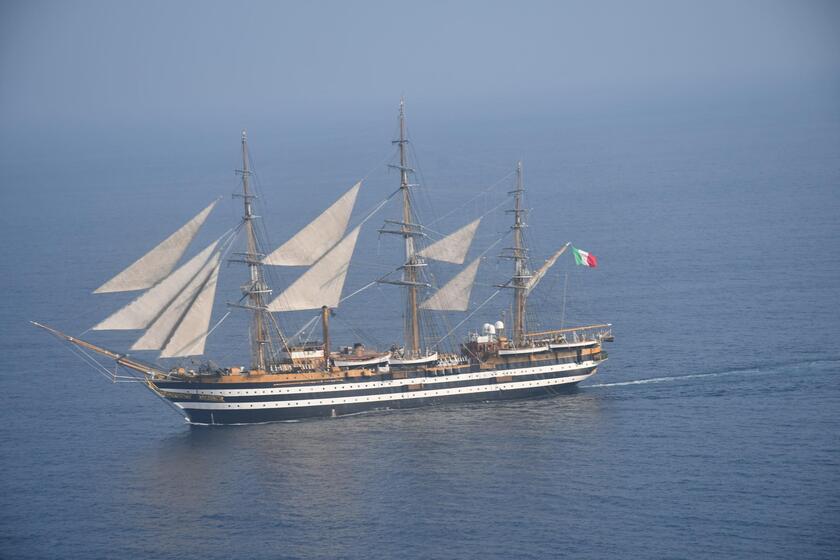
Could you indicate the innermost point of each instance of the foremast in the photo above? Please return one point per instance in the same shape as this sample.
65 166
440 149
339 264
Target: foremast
409 230
256 288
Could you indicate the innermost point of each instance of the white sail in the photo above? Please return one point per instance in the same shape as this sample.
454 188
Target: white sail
160 331
538 275
313 241
140 313
452 248
455 294
155 265
322 283
189 337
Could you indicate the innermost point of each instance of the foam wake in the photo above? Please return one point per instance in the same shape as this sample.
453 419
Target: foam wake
746 371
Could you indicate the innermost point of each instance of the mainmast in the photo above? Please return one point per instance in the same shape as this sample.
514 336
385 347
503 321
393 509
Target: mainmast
408 230
255 289
520 256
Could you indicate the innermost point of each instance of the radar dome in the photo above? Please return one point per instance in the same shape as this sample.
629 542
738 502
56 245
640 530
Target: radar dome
500 326
488 329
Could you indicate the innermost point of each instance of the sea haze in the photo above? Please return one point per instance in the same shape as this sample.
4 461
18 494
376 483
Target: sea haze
712 430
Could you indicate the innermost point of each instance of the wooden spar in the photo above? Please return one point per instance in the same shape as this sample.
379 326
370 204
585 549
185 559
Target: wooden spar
325 326
121 359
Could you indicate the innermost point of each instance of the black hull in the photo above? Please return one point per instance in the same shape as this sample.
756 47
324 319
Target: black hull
229 417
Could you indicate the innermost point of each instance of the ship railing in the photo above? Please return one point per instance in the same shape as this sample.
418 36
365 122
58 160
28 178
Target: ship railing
451 360
602 332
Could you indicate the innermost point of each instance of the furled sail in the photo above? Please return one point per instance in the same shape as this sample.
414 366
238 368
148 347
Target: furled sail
455 294
140 313
161 330
322 283
538 275
452 248
155 265
190 335
313 241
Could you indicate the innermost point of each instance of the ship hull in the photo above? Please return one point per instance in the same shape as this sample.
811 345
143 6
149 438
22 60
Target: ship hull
208 404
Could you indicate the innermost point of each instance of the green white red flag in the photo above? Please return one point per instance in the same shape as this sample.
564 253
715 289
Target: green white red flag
584 258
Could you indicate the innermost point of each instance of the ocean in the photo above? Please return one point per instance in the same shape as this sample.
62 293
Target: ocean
713 430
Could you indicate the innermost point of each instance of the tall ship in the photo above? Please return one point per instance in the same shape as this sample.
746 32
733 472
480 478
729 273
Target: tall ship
291 378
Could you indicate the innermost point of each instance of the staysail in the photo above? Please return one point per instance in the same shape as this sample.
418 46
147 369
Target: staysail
452 248
538 275
162 329
189 336
140 313
313 241
322 283
155 265
455 294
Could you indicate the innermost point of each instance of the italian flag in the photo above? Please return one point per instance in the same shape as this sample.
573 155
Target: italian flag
584 258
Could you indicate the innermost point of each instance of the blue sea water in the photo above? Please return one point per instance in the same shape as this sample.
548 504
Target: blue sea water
712 431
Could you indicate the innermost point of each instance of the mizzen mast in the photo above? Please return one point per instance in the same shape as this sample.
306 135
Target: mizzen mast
256 287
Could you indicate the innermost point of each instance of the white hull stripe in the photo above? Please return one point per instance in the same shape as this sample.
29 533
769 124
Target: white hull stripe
336 387
382 398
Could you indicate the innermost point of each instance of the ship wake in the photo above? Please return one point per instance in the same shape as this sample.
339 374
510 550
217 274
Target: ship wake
744 371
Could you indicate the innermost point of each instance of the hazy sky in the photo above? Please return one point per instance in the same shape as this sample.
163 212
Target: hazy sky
76 62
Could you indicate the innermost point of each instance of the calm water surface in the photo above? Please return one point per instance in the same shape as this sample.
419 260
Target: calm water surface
712 431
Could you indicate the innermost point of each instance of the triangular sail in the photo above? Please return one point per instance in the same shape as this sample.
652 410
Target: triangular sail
140 313
538 275
155 265
322 283
160 331
452 248
455 294
190 335
313 241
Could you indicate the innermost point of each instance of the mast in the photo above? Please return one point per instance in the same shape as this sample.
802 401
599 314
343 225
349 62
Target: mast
520 274
256 287
325 327
412 320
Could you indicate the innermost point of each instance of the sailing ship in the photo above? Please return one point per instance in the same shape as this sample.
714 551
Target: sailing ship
289 379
